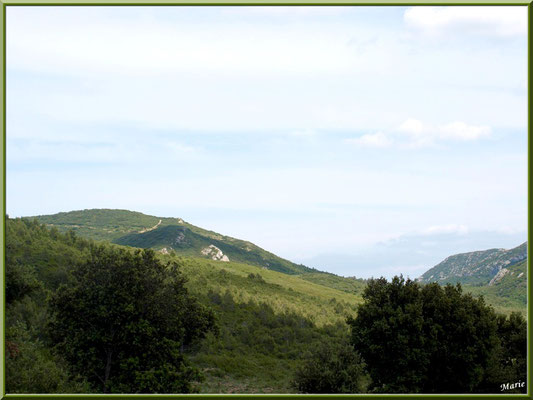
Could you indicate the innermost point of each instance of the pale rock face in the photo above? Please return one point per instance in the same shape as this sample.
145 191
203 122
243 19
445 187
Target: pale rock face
215 253
180 238
164 250
501 273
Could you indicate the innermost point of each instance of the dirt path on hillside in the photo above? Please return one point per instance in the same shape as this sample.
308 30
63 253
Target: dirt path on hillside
152 228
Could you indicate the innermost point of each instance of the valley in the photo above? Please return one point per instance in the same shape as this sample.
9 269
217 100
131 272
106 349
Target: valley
270 312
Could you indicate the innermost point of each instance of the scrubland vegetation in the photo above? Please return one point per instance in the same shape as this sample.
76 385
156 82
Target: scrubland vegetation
94 317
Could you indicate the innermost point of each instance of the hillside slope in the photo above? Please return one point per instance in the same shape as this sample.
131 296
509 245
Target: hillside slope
475 268
268 320
506 292
499 275
167 235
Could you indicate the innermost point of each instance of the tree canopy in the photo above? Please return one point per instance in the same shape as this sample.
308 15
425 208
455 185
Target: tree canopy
331 368
431 339
125 320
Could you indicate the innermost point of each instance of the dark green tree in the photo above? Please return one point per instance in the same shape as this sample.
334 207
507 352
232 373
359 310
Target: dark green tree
509 364
428 339
513 334
332 368
125 321
20 281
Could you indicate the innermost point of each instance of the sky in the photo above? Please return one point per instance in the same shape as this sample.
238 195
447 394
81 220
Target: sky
363 141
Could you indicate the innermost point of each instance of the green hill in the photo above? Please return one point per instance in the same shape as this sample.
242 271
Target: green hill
167 235
268 320
509 292
474 268
499 275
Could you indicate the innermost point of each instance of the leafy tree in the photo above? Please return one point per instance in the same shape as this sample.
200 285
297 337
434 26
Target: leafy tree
429 339
331 369
20 281
509 364
125 321
513 334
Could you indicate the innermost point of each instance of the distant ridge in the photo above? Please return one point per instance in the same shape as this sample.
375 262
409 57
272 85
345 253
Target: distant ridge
131 228
476 268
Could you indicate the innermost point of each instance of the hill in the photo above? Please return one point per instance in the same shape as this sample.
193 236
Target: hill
499 275
475 268
167 235
268 320
507 291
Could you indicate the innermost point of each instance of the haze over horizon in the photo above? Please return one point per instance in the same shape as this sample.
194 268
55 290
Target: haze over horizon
358 140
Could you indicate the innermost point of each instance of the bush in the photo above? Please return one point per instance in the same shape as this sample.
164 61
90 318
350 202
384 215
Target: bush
331 369
31 367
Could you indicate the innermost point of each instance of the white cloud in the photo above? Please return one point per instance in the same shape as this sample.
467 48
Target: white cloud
118 149
419 134
288 11
105 64
450 228
412 126
461 131
503 21
181 149
378 139
303 133
140 46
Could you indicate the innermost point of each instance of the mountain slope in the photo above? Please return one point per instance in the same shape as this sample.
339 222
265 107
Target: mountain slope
268 320
508 292
167 235
475 268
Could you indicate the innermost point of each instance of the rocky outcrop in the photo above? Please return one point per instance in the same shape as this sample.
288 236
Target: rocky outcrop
214 253
498 277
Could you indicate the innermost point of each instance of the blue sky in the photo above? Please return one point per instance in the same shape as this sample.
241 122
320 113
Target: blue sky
362 140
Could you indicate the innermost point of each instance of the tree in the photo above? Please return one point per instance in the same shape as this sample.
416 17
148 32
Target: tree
513 334
20 281
509 364
125 322
428 339
331 369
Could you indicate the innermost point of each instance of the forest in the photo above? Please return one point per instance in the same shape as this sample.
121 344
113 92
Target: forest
88 316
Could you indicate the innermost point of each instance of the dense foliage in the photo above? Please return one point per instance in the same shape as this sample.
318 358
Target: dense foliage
267 320
433 339
37 261
137 316
258 349
509 362
332 368
42 263
277 333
